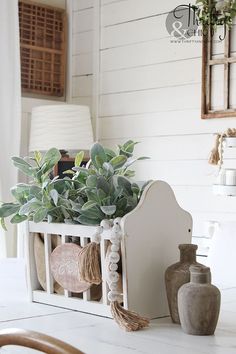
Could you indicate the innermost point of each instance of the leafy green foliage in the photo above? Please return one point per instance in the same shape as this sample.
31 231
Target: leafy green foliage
101 190
105 186
213 13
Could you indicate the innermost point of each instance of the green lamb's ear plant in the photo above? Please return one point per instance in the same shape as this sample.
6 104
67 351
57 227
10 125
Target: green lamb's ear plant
32 201
106 191
98 191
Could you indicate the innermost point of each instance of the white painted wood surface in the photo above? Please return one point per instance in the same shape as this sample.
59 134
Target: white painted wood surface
151 235
152 232
93 334
83 41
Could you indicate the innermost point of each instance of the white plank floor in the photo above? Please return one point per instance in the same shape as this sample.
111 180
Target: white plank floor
96 335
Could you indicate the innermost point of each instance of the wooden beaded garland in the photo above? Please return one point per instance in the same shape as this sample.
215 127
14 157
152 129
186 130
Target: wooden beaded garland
114 257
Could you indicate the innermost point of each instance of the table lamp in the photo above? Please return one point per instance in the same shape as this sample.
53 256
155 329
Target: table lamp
63 126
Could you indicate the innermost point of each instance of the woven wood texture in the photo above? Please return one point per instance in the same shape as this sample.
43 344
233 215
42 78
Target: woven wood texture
42 43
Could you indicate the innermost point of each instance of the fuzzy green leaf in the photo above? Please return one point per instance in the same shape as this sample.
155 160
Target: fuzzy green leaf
118 161
108 167
125 184
109 153
88 205
36 192
108 210
49 160
98 151
68 172
8 209
101 194
54 195
2 222
86 221
79 158
38 156
30 206
23 166
40 215
103 184
93 213
91 181
16 219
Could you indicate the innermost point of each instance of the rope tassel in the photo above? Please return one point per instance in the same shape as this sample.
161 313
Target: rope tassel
89 261
215 155
217 151
127 320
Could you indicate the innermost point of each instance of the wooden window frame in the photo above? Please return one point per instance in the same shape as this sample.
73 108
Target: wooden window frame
207 63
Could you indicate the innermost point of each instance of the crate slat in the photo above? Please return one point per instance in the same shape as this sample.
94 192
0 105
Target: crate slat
48 251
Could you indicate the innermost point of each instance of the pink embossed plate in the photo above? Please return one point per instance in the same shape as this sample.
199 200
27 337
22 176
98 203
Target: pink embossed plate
64 262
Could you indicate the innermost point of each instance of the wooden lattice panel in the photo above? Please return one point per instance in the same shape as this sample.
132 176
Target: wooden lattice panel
42 42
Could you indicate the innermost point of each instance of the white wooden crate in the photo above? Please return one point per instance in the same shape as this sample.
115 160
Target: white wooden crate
151 235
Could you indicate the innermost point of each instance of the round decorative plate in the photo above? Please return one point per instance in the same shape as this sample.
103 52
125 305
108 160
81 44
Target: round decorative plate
64 262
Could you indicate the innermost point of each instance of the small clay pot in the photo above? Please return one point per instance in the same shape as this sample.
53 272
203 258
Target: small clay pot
199 303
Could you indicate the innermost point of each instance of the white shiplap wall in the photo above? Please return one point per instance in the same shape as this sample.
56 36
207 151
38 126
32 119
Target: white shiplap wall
82 51
150 91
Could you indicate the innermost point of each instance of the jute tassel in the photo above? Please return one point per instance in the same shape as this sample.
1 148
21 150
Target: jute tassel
89 263
127 320
215 156
217 151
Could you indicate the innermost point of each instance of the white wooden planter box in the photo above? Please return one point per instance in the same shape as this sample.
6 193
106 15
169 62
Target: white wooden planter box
152 233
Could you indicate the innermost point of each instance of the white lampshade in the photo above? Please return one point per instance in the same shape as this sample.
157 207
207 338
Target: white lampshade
63 126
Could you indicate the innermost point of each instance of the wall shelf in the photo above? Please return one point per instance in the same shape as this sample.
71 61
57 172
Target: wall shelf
223 190
230 142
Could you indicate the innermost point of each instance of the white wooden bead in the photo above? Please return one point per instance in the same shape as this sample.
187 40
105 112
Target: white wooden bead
113 286
105 224
115 248
112 296
117 221
114 257
115 242
116 228
113 266
115 238
111 222
113 276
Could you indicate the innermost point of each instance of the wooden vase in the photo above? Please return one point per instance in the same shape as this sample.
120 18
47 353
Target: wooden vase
199 303
178 274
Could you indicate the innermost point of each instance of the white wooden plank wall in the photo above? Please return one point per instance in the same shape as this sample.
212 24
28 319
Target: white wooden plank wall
151 92
82 51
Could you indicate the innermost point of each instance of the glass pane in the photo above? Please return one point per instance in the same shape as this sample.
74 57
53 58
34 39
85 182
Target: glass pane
232 90
233 41
217 87
218 43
